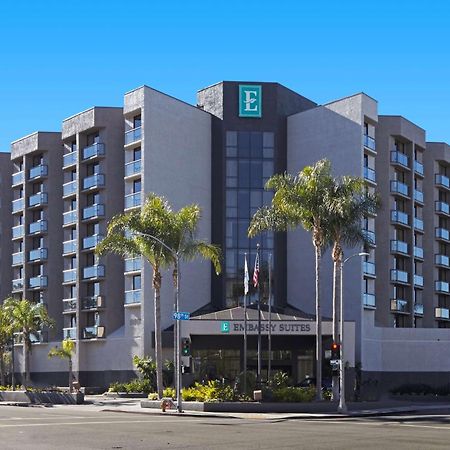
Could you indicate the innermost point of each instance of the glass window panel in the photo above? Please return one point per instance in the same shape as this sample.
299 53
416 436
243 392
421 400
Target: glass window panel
268 139
256 145
256 174
243 204
244 174
256 199
231 138
268 152
231 198
243 241
231 182
231 168
267 169
231 212
244 144
232 152
267 198
231 261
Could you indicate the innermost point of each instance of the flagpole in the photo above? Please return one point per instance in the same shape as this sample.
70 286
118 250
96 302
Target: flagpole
259 319
269 366
246 280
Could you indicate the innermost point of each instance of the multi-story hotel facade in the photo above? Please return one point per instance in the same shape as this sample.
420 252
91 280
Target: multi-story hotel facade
66 186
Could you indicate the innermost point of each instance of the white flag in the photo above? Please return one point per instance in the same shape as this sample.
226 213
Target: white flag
246 277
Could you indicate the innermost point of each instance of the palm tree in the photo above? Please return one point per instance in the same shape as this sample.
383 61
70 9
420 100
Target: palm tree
28 318
65 352
6 333
348 204
301 201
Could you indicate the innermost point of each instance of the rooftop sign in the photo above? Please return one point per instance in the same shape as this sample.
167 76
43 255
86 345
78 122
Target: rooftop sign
250 101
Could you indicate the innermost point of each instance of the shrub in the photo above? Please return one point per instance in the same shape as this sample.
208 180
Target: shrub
211 391
294 394
135 385
251 383
169 392
279 380
153 396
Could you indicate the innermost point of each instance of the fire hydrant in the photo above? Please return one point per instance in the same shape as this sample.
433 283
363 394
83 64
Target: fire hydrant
166 403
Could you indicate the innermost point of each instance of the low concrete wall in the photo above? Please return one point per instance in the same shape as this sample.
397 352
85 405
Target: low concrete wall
55 398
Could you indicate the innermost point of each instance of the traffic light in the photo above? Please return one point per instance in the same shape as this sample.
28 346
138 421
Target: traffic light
185 347
335 351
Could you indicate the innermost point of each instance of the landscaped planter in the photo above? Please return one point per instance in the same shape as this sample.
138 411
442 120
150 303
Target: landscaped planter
421 397
126 394
55 398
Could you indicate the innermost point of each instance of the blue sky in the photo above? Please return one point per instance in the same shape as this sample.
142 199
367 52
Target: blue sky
61 57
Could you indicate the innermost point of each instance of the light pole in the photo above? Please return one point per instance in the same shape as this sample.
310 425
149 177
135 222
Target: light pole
177 362
342 406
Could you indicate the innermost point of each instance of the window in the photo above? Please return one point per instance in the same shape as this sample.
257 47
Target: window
136 186
137 121
136 282
93 138
137 154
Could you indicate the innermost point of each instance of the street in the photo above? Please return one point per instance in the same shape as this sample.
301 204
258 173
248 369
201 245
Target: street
71 427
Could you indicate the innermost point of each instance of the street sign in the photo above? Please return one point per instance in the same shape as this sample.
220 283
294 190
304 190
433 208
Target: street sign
181 315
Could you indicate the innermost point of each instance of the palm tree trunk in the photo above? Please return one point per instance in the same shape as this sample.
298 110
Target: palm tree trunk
158 345
2 368
26 361
70 375
318 251
335 377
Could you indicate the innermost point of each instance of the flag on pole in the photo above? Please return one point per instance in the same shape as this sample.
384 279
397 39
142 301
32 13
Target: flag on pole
256 271
246 277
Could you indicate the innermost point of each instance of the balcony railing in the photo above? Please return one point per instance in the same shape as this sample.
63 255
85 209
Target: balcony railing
133 264
418 196
418 280
70 333
132 297
442 207
18 231
442 313
133 135
399 275
69 188
17 284
418 224
70 217
442 180
368 268
96 271
96 210
418 252
69 305
399 217
69 159
133 168
91 241
418 167
38 199
369 300
38 171
418 309
94 150
18 205
41 281
442 286
94 181
133 200
17 258
35 338
38 254
399 158
399 188
93 332
18 178
369 174
40 226
399 305
442 260
93 302
399 247
69 275
69 246
370 236
369 142
442 233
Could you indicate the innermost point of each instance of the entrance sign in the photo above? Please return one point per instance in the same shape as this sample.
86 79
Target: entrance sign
181 315
250 101
225 327
277 327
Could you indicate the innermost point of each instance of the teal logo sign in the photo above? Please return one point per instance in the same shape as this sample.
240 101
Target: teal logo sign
225 327
250 100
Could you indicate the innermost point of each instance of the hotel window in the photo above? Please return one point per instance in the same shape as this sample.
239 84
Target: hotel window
137 122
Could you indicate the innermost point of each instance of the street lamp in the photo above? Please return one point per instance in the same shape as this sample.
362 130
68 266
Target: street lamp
177 362
342 406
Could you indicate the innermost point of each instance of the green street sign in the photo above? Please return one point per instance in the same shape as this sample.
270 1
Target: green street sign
225 327
250 100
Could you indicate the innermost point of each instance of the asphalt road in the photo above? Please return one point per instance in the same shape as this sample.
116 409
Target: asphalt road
84 428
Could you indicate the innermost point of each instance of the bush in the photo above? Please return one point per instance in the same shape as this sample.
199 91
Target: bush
169 392
212 391
153 396
294 394
135 385
251 383
420 388
280 380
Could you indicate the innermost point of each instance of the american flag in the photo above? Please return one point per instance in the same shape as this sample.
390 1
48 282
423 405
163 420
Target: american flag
256 271
246 277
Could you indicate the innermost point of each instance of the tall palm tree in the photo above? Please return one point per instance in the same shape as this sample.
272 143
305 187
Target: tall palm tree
65 352
28 318
6 334
301 201
348 203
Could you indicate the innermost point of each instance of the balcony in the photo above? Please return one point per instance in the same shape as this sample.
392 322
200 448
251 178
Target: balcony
69 305
93 182
38 282
397 187
133 265
69 159
93 302
369 142
369 174
18 205
37 255
418 252
442 208
70 276
91 241
418 224
442 287
369 300
442 313
18 231
133 135
70 188
70 217
133 168
69 247
133 200
18 178
369 268
418 280
38 172
70 333
94 332
38 199
370 236
442 260
94 211
399 217
400 159
17 259
132 297
17 284
399 247
94 151
399 276
442 180
442 233
418 168
418 309
40 226
35 338
90 272
399 306
418 196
